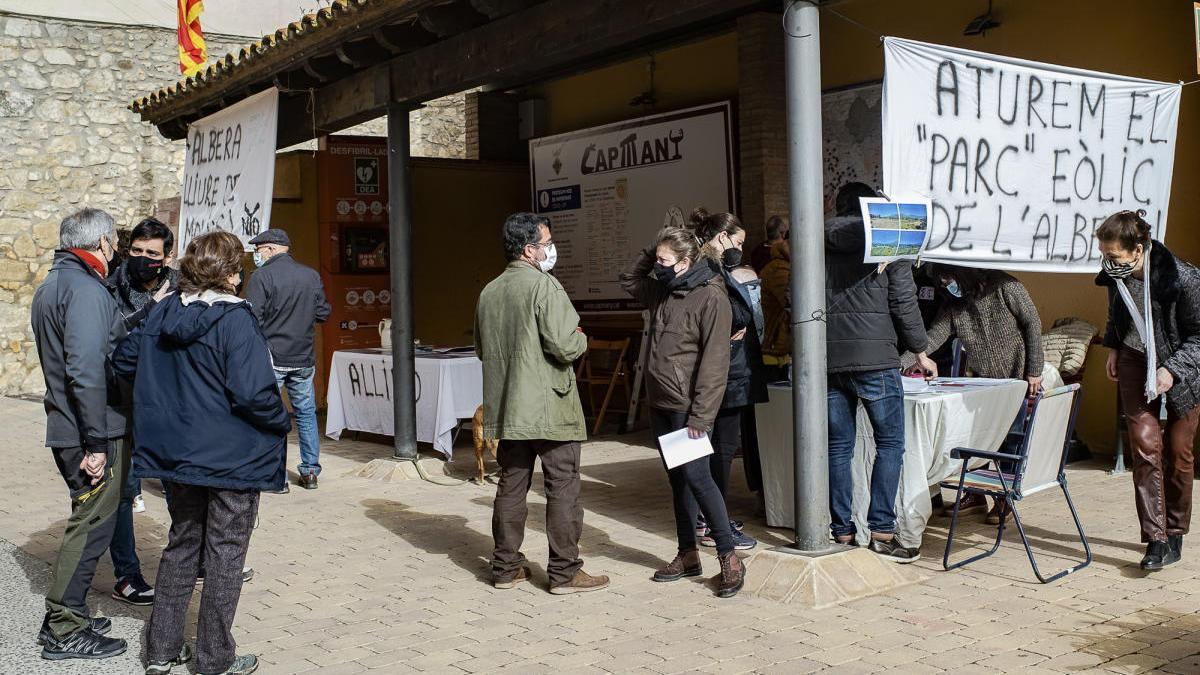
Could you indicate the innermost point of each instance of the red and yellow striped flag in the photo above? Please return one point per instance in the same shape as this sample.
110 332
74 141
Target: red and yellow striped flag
192 52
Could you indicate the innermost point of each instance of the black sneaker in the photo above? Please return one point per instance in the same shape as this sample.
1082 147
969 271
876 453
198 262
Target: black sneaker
164 667
135 591
894 551
83 644
1159 554
100 625
281 491
308 481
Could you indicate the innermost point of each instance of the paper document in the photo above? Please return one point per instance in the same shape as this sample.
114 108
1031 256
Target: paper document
971 382
678 449
914 385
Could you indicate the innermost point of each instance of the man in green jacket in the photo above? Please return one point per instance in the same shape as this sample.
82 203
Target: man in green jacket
527 335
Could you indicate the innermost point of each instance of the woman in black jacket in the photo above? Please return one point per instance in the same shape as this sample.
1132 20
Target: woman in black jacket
722 236
1153 354
211 425
687 363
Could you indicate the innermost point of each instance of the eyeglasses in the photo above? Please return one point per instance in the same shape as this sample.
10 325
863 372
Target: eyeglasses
543 244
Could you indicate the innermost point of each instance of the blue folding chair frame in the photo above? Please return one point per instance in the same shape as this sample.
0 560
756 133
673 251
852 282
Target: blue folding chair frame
1009 492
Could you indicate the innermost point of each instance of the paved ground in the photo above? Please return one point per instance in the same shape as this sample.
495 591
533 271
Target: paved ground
363 575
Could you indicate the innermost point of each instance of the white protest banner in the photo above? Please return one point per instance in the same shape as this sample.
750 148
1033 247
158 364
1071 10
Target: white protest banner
1022 160
229 170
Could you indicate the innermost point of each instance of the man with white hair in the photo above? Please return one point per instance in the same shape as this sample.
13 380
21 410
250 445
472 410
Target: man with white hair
77 324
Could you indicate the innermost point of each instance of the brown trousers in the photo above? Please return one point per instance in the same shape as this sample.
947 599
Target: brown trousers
1162 458
564 515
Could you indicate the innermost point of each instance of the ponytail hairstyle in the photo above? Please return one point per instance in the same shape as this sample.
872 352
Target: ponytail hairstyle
681 241
709 225
1127 228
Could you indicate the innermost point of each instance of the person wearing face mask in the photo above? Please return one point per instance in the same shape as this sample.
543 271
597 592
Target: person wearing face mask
1153 336
722 236
77 324
993 315
145 277
686 369
287 298
527 334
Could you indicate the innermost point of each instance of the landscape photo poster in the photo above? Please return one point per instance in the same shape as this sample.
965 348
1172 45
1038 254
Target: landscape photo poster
894 230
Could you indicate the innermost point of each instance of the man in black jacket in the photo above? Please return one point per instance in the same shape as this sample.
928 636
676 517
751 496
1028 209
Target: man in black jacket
872 318
76 325
288 299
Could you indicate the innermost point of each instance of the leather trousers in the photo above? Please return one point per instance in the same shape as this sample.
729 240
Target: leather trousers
1162 456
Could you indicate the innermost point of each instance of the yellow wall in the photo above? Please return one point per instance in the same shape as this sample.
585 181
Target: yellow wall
700 72
1152 39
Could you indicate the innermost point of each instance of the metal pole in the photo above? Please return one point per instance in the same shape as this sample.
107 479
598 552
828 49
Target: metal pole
404 393
810 433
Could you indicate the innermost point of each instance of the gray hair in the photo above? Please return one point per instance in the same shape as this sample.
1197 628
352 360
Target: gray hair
84 228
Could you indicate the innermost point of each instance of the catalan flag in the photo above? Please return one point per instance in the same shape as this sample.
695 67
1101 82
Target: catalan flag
192 52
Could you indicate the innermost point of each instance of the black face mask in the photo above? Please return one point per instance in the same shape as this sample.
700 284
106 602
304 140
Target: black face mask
664 273
142 269
730 257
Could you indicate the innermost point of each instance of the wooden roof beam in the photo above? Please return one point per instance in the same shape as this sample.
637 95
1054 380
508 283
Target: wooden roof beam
450 19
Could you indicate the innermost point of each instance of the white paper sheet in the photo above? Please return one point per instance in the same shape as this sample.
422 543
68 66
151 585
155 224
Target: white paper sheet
914 385
678 449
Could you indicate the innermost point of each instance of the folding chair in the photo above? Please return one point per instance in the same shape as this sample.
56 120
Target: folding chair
603 366
1039 465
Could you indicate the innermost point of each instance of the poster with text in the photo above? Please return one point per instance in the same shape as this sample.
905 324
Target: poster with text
609 189
229 170
1022 160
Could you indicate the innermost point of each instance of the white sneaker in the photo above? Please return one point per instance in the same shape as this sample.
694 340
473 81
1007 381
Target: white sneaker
139 504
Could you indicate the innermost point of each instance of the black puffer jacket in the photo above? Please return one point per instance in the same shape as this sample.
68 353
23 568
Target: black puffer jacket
1175 299
871 317
746 384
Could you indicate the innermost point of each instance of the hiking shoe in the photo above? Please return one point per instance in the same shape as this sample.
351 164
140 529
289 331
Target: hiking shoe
308 481
732 576
100 625
164 667
894 551
1159 554
135 591
242 665
522 575
685 564
83 644
139 504
582 582
743 542
970 503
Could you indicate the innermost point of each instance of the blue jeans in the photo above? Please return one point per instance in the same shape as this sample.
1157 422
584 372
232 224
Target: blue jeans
123 548
882 395
299 385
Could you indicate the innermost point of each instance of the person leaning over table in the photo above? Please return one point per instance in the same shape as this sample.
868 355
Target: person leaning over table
1000 329
1141 274
687 365
211 425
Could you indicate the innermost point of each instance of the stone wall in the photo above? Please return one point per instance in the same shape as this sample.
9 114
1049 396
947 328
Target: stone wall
68 141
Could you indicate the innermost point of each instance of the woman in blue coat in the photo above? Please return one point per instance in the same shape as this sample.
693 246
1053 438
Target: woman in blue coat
211 425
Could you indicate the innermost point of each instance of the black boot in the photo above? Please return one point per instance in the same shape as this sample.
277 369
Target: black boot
1158 555
1175 541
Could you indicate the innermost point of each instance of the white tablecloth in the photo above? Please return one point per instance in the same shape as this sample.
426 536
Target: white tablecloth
934 424
449 389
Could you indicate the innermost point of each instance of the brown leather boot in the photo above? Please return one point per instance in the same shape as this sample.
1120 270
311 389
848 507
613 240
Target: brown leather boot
582 582
733 575
685 564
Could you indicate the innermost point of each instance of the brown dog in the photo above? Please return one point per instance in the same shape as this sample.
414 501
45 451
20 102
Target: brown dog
481 442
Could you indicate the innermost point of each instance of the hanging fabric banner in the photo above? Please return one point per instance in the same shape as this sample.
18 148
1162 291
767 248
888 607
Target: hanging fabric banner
1022 160
229 170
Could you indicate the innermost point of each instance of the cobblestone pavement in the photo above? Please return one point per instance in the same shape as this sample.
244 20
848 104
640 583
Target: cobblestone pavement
363 575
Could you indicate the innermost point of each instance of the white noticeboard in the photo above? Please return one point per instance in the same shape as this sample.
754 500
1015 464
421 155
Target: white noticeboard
609 189
1022 160
229 170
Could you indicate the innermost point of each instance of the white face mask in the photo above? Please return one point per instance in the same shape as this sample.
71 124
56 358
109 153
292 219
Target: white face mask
551 258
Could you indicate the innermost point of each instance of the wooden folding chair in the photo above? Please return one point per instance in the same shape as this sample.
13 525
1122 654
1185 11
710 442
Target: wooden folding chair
603 366
1039 465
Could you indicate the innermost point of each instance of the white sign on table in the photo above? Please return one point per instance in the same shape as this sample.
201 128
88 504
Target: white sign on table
1022 160
229 170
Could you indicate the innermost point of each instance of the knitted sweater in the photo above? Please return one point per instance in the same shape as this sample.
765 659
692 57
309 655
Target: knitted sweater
1001 331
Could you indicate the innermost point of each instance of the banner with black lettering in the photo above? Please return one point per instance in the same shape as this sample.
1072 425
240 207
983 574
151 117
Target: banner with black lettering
1022 160
229 170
